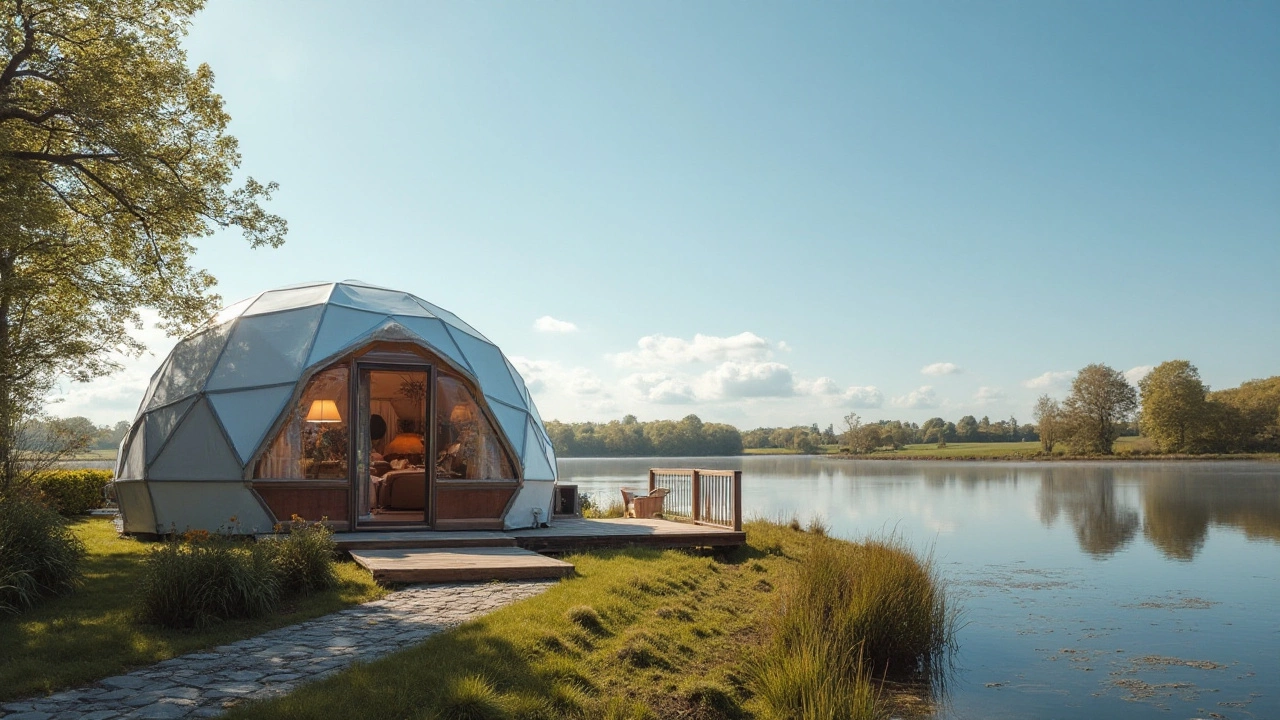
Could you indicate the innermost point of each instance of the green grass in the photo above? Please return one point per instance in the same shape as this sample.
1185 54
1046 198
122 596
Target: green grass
636 633
957 450
93 633
822 450
95 455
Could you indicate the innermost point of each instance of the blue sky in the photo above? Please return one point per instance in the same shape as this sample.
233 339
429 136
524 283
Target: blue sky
771 213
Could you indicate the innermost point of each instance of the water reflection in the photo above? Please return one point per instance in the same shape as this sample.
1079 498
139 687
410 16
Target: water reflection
1086 498
1179 508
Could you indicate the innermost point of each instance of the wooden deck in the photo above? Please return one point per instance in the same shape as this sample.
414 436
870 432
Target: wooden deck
564 535
459 564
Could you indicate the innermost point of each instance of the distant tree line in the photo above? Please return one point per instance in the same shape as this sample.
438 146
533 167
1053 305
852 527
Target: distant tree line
631 438
76 433
1172 407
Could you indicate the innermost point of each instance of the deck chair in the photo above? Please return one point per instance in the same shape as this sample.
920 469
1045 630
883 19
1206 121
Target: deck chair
647 506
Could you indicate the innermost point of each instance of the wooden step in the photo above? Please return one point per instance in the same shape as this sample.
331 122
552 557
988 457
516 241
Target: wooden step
384 540
459 564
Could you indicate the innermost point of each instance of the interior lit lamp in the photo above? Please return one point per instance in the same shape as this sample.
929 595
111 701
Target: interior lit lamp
322 411
405 444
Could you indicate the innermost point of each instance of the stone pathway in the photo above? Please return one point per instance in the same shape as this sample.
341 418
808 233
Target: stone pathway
204 684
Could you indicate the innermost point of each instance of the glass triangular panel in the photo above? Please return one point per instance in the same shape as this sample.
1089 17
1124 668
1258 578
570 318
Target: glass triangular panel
512 422
490 368
291 299
247 415
189 364
161 422
432 331
266 349
342 328
374 300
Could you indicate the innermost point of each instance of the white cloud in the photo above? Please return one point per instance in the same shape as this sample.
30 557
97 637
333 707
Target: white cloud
854 396
552 377
941 368
663 351
921 397
1134 375
1053 379
116 397
731 380
660 388
548 324
987 395
863 397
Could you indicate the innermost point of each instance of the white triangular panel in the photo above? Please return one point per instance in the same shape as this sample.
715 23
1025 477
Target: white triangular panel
536 466
391 302
432 331
196 450
247 415
161 422
340 329
189 365
266 349
490 369
231 312
289 299
513 422
134 466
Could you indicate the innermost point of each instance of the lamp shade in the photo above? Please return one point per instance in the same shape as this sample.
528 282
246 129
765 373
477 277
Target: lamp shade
461 413
405 444
323 411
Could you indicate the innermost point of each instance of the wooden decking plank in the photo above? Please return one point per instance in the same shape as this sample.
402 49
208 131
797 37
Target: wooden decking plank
565 534
459 564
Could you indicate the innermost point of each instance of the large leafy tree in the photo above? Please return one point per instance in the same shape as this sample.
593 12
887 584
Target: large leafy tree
1048 416
1174 410
114 156
1100 401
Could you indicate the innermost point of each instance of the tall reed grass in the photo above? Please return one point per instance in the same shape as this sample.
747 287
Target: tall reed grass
39 555
850 613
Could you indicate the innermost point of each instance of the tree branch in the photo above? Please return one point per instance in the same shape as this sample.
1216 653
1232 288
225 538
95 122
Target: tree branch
24 52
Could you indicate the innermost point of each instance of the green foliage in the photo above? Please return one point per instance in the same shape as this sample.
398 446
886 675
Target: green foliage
203 579
200 578
39 555
629 437
1175 411
1247 417
94 633
72 492
303 558
1100 401
113 155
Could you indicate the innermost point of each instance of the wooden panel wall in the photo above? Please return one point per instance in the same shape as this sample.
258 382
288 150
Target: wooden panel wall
309 500
472 500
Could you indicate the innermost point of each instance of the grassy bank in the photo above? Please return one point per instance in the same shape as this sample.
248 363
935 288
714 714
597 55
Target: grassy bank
637 633
1126 448
93 633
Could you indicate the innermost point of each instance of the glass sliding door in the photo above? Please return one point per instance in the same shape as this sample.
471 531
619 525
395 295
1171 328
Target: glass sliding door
393 478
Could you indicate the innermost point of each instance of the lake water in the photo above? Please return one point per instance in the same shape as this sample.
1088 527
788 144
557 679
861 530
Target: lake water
1090 590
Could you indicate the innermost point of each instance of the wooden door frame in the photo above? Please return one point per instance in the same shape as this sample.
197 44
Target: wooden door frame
420 364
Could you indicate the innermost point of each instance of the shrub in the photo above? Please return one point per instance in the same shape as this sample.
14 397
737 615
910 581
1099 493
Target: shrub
72 492
202 579
39 556
304 557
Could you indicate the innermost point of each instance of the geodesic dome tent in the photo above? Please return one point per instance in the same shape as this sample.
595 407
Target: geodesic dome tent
359 404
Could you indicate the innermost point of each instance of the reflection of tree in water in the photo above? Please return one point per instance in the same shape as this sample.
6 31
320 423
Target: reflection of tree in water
1086 498
1179 506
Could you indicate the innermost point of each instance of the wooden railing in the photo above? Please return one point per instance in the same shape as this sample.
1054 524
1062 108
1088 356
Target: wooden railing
706 497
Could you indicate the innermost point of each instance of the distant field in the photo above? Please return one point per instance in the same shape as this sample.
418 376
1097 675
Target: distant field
967 450
95 455
822 450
